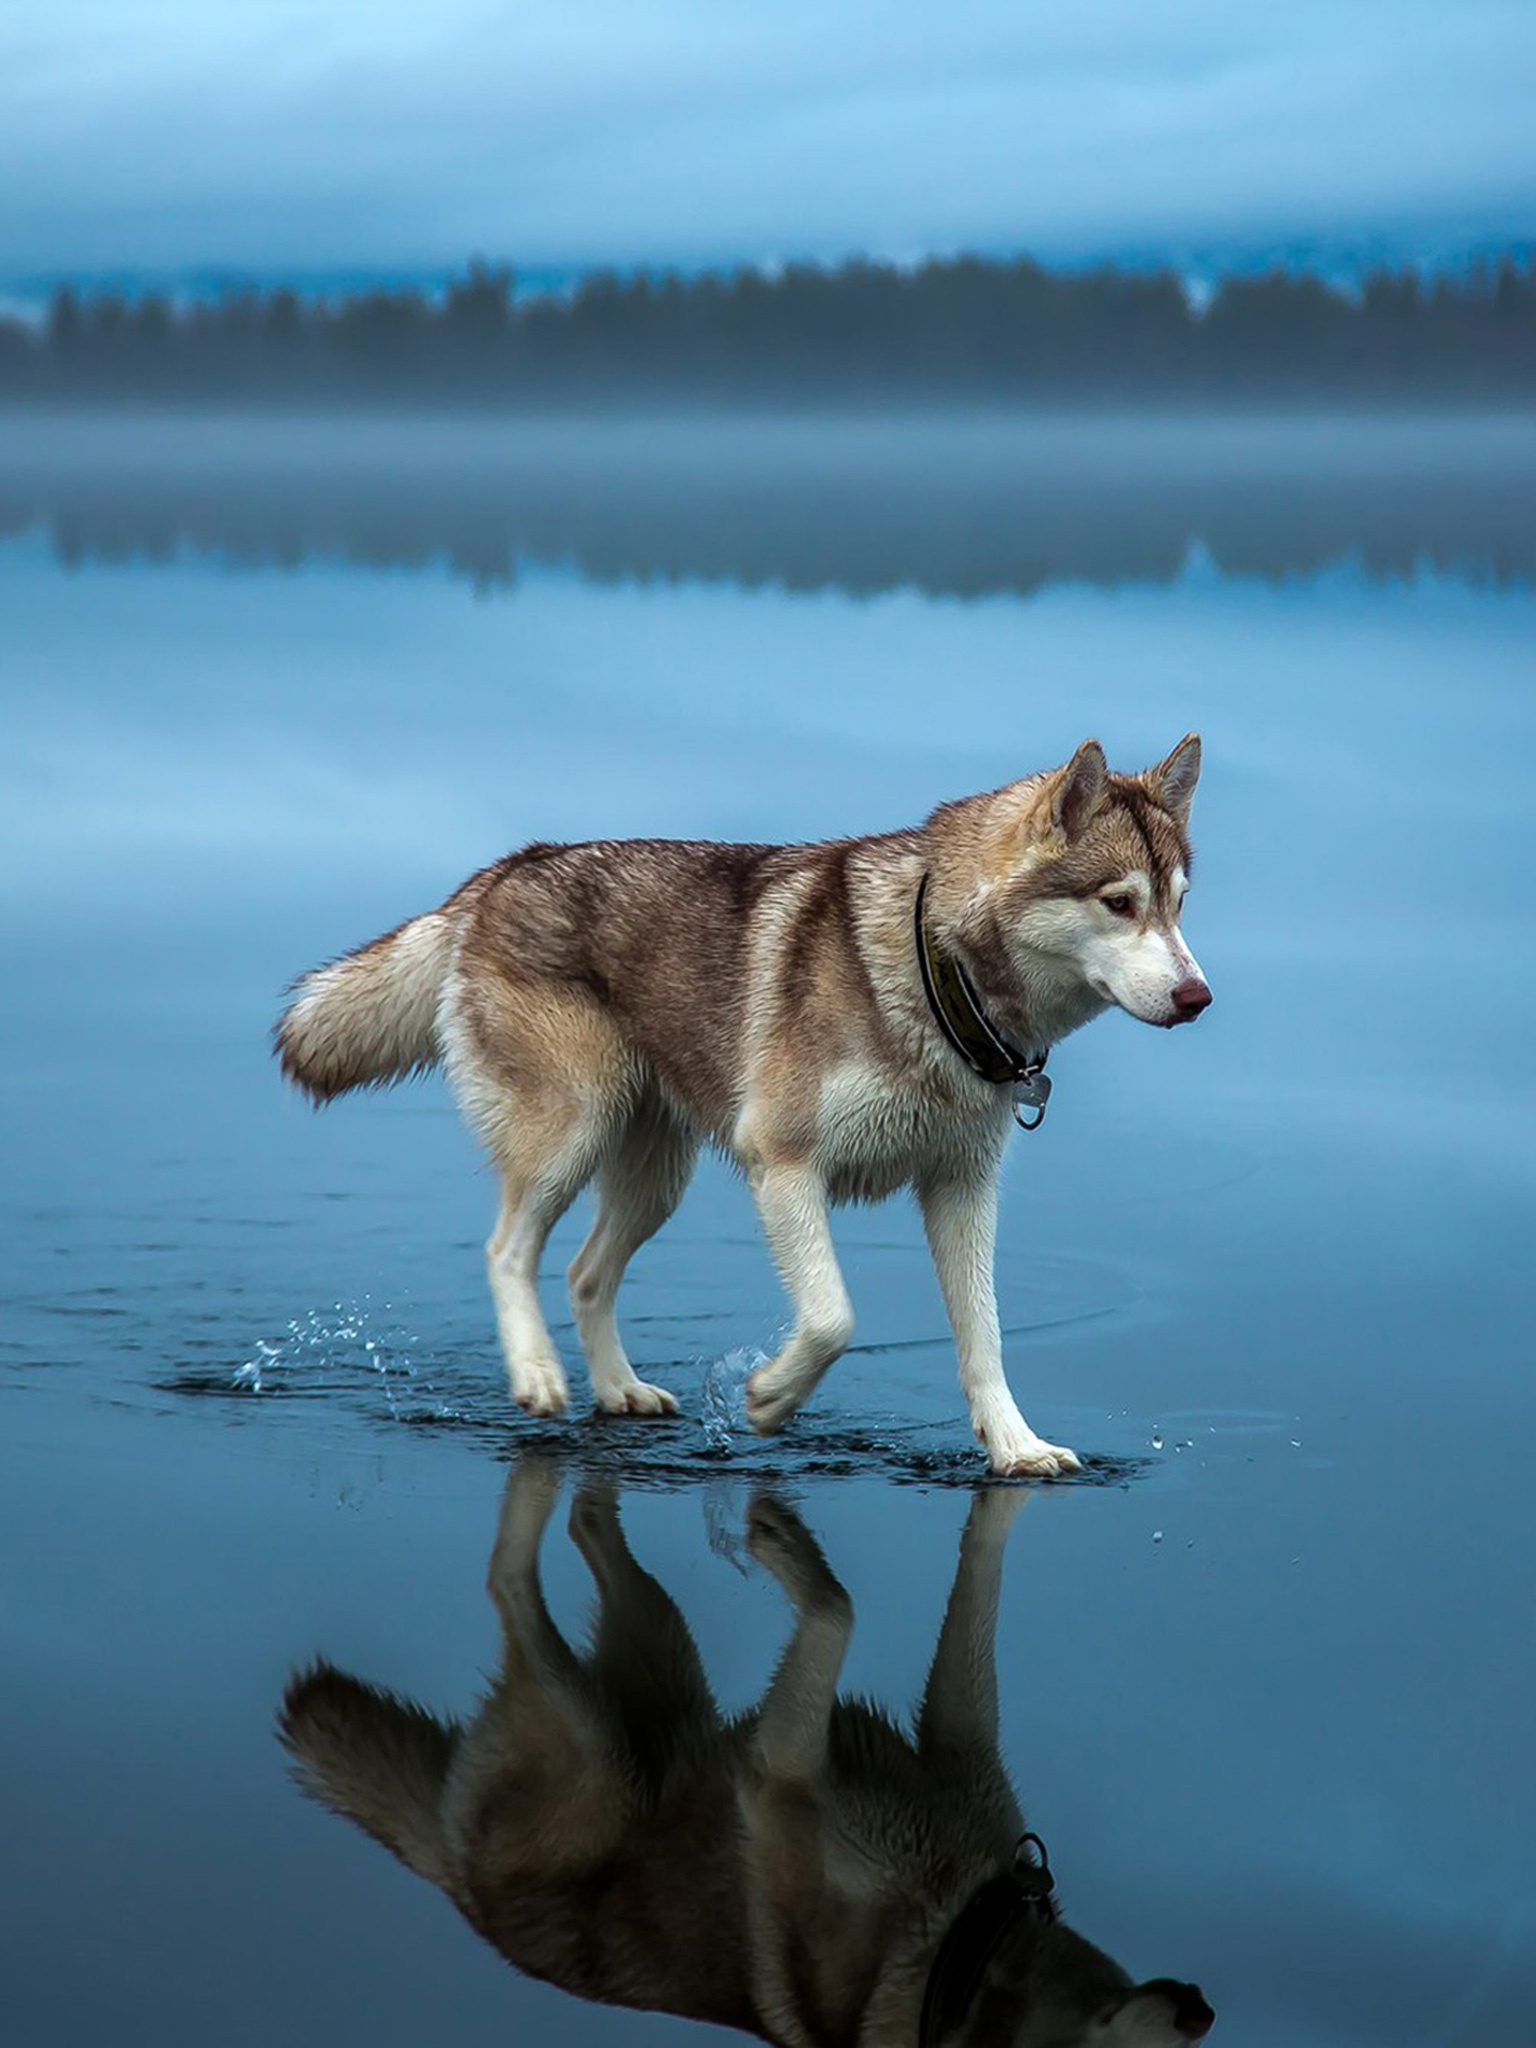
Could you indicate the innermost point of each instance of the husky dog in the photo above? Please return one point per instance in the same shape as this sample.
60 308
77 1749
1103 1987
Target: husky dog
841 1020
806 1873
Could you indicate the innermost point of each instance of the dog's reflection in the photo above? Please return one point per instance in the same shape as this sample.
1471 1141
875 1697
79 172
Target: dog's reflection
806 1872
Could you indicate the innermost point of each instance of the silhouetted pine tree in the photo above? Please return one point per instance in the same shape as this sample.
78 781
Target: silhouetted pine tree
961 329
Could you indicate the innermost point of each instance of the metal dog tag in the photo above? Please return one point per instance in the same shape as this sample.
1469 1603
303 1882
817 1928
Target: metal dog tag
1031 1091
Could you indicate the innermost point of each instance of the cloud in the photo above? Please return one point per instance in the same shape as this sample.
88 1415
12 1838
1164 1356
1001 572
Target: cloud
690 130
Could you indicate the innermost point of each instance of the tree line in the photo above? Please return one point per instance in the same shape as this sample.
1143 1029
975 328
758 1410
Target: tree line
964 329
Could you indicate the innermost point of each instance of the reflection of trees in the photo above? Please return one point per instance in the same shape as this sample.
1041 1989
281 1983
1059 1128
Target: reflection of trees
1000 506
966 327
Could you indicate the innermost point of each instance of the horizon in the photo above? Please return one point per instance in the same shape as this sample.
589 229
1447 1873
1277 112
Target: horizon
1342 264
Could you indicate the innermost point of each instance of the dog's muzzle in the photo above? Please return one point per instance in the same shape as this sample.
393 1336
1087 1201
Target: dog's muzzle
1190 997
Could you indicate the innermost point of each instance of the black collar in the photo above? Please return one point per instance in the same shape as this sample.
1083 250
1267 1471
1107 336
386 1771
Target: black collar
959 1014
983 1924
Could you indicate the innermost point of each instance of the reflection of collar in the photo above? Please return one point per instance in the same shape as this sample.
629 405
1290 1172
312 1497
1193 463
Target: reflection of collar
978 1931
959 1014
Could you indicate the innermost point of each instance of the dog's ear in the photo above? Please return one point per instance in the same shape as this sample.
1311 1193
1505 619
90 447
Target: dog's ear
1172 781
1079 789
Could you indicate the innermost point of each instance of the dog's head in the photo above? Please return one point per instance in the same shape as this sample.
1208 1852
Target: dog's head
1059 1991
1090 871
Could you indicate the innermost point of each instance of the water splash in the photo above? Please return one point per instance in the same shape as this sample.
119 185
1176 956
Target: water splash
724 1406
326 1347
724 1519
248 1377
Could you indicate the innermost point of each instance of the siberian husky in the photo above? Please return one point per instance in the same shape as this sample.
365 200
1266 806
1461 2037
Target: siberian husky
841 1020
806 1872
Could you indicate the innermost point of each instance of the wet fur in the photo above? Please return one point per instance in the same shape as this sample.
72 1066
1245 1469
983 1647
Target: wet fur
604 1009
790 1872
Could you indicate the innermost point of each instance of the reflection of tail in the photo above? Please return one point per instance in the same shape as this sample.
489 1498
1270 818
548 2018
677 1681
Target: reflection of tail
371 1016
377 1759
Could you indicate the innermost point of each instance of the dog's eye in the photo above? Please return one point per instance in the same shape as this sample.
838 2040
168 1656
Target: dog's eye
1120 906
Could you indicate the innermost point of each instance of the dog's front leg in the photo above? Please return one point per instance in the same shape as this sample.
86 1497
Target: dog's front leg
960 1217
794 1722
959 1710
793 1205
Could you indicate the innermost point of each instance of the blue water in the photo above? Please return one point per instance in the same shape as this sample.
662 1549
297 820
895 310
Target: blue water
1267 1686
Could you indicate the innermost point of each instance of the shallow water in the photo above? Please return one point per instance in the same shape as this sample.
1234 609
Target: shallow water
1267 1686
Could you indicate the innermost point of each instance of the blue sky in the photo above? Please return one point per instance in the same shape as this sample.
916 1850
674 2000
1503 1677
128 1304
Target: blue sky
281 135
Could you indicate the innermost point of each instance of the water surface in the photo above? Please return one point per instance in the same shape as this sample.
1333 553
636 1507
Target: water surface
1266 1686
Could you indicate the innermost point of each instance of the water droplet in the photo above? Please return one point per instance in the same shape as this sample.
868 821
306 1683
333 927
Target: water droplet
724 1401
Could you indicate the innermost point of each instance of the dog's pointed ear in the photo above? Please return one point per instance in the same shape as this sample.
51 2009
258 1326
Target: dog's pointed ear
1079 789
1172 781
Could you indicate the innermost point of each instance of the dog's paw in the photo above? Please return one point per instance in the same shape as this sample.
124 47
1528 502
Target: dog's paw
635 1397
994 1510
1031 1457
533 1490
780 1542
772 1397
594 1518
538 1386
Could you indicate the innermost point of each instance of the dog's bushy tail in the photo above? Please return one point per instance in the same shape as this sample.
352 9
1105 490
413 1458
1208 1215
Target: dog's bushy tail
370 1017
379 1760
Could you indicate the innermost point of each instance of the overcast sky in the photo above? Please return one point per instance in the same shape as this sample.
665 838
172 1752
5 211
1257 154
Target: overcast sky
324 134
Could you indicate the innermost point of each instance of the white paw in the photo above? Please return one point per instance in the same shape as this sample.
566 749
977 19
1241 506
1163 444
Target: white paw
635 1397
773 1395
538 1386
594 1522
532 1492
1029 1457
780 1542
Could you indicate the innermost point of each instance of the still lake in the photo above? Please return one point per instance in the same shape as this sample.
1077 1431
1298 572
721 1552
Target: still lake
1267 1688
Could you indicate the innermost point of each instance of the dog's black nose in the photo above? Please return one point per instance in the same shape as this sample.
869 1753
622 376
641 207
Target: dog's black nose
1190 998
1193 2019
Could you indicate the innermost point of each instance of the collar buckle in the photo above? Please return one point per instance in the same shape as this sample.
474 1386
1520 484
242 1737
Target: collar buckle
1031 1091
1033 1875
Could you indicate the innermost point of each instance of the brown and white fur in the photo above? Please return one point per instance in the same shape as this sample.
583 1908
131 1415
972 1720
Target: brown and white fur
791 1873
603 1009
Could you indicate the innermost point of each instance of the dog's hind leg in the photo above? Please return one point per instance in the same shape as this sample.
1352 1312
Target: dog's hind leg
532 1204
644 1658
960 1217
539 1792
639 1185
792 1203
543 1076
532 1640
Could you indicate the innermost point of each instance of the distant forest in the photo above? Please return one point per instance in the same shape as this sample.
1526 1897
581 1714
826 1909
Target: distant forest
966 330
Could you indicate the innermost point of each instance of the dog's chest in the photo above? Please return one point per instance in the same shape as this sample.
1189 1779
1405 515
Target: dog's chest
876 1133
